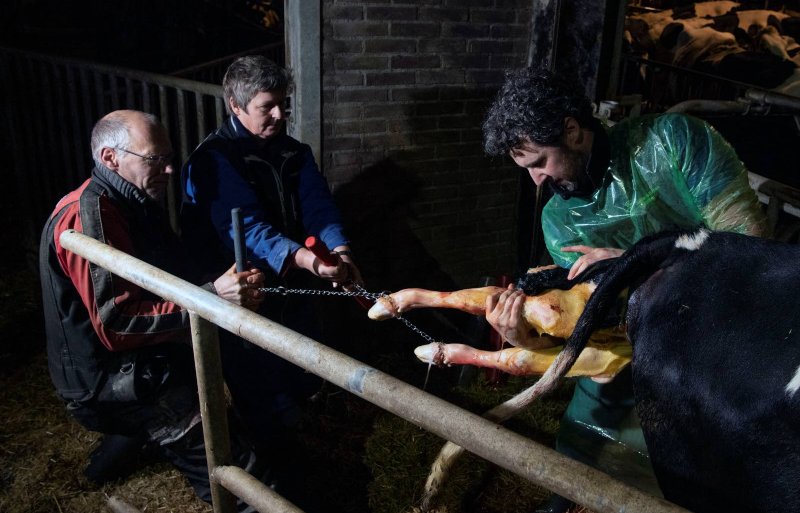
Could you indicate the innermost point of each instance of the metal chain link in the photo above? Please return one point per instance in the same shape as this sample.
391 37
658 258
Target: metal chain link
415 329
358 292
315 292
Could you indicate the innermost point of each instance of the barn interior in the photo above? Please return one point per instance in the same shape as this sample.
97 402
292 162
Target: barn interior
718 51
636 58
734 64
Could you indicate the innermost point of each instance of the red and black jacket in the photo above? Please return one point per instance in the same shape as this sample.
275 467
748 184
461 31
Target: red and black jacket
95 321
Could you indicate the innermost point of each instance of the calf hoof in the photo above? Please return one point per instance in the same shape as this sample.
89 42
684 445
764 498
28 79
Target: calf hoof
382 309
431 353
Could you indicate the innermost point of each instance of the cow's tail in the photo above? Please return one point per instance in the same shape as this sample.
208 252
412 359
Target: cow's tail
450 452
639 262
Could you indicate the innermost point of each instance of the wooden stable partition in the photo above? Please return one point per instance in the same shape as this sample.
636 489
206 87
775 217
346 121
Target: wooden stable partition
535 462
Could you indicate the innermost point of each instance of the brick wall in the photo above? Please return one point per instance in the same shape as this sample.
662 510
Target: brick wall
405 88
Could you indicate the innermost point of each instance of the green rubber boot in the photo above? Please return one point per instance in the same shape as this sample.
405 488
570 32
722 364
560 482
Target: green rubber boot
601 429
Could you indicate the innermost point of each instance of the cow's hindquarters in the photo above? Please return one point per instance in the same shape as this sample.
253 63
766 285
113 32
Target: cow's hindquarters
713 352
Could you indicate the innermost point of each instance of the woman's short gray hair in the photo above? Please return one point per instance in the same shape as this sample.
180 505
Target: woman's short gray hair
249 75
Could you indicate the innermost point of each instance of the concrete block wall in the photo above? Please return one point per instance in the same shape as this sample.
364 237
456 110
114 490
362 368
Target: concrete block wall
405 88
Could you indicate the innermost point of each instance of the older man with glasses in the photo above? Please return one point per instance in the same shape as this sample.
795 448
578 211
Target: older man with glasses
118 355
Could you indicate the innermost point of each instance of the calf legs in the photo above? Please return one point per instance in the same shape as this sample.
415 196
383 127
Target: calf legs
553 312
603 360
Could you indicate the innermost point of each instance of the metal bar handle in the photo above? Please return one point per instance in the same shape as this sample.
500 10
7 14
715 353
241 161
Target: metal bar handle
239 247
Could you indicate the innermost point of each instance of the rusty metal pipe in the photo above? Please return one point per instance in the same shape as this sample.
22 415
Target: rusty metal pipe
535 462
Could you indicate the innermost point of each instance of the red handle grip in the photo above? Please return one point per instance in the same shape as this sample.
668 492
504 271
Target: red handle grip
322 252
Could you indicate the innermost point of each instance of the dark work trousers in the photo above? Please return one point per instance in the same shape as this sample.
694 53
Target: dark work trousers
598 413
268 392
155 399
269 395
188 455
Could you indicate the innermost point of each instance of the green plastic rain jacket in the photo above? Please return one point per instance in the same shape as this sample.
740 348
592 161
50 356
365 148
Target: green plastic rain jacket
665 171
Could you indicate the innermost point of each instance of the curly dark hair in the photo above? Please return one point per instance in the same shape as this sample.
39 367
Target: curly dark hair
532 104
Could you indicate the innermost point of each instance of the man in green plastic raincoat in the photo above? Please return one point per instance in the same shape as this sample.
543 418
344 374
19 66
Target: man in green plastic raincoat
612 186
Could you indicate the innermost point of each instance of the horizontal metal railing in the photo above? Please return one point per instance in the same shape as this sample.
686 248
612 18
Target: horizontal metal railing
213 71
51 104
663 85
535 462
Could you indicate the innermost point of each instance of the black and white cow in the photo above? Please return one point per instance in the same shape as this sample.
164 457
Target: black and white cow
714 320
715 329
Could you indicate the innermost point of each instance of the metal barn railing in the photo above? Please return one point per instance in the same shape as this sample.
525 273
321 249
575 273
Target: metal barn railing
212 71
51 105
663 85
535 462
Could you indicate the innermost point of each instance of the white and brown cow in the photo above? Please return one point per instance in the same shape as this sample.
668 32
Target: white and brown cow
714 321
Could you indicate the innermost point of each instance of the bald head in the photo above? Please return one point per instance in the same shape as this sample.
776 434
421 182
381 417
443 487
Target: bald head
136 146
114 130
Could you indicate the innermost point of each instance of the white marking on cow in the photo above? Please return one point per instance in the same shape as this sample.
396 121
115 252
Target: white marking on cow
794 384
692 242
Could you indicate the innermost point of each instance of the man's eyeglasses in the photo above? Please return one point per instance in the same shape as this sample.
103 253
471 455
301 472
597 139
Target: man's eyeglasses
153 160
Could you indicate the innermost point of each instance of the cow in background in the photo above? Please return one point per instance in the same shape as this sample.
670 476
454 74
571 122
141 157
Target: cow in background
758 47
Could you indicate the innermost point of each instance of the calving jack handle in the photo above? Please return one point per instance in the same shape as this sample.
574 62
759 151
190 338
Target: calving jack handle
239 247
322 252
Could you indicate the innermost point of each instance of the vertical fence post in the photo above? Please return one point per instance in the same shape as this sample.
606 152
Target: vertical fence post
219 110
205 343
302 33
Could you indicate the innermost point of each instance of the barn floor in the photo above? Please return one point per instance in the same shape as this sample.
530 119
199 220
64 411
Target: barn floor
366 460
